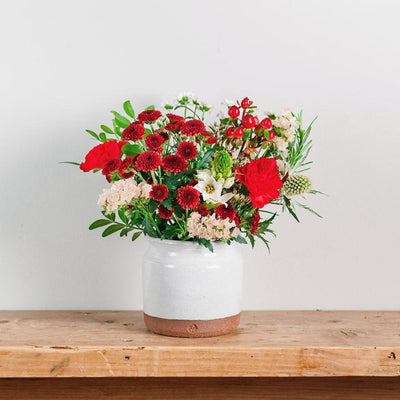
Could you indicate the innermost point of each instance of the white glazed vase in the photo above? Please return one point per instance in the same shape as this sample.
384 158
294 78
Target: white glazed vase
189 291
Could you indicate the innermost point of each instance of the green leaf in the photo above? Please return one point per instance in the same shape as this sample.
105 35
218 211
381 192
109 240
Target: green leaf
124 232
309 209
208 245
103 137
121 120
136 235
170 231
149 108
167 203
130 149
117 129
69 162
122 216
111 216
129 109
99 223
168 107
240 239
106 129
92 134
112 229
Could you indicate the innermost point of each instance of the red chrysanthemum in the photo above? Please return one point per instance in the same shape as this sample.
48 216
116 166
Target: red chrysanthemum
164 212
187 150
237 220
193 182
192 127
174 126
188 197
154 141
148 161
225 212
133 132
110 167
163 133
159 192
261 177
174 117
207 137
101 154
255 222
126 167
202 210
211 140
174 163
149 116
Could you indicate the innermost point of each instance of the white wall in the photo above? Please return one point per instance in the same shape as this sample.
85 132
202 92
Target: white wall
65 64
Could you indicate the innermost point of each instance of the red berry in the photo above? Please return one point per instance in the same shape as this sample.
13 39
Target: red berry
266 123
229 132
234 112
248 121
246 103
271 135
238 132
256 119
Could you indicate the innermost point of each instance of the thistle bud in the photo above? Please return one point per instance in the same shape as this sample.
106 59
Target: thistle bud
222 164
297 184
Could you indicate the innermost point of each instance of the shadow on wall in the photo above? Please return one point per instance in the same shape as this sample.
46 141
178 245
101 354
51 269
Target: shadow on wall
48 255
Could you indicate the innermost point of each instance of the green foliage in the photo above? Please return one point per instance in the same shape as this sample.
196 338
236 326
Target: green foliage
131 149
120 120
99 223
301 147
112 229
129 109
93 134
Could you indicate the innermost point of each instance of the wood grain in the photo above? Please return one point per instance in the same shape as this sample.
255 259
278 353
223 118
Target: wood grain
200 388
268 344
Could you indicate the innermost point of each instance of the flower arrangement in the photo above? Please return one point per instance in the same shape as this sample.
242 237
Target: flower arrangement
172 176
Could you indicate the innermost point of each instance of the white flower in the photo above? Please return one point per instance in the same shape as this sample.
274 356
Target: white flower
210 188
205 105
281 166
229 182
280 143
211 228
121 193
190 95
228 102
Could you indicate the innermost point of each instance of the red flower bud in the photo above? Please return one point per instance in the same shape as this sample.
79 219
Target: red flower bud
234 112
246 103
266 123
248 121
238 132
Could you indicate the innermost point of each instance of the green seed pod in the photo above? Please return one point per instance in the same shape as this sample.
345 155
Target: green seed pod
297 184
222 164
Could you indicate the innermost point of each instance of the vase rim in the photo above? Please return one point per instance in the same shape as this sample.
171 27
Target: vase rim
186 243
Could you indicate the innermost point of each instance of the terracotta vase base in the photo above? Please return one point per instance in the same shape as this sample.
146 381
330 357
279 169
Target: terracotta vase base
192 328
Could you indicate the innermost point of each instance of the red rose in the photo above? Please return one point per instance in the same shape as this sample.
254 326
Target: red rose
261 177
100 155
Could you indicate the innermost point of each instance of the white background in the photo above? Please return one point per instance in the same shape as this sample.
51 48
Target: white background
66 64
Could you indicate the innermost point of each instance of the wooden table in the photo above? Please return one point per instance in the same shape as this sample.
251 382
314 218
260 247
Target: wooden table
274 355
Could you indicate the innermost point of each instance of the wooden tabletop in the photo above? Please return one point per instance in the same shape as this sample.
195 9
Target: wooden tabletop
268 344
